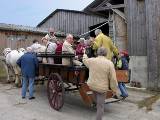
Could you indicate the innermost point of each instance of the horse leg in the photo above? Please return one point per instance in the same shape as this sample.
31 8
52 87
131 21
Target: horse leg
7 72
18 80
17 74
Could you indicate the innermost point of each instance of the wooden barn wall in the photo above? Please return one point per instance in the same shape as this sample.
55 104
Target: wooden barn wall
121 33
136 27
16 40
153 42
70 22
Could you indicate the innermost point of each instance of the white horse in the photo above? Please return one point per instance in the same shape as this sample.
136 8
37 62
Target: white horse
11 57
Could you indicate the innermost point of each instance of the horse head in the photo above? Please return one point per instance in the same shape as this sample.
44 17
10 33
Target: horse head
6 51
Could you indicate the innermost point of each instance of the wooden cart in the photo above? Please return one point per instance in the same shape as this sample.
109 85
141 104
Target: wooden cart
63 78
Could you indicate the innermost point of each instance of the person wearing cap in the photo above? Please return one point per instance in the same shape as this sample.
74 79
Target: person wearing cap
29 65
50 48
102 75
102 40
80 48
51 35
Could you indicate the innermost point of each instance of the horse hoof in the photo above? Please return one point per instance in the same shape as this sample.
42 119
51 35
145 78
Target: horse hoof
17 85
8 82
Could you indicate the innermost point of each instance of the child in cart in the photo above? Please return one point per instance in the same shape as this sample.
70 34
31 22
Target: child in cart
122 64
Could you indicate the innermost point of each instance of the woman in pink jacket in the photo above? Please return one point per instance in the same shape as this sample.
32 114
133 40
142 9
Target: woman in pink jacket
80 48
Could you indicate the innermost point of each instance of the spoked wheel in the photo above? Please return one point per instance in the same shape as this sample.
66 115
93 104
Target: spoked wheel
55 89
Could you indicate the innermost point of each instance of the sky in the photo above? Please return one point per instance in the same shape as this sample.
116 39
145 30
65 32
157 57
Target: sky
32 12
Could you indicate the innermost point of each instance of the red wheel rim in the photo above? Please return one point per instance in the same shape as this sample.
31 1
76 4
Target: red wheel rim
55 91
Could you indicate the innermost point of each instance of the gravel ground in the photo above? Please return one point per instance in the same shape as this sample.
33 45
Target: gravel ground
12 107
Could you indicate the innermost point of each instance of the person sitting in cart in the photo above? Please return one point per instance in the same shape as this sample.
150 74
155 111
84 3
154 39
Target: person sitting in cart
80 48
50 48
101 75
68 49
122 64
58 51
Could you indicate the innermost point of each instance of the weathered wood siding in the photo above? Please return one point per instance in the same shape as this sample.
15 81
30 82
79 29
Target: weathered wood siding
153 42
136 27
121 33
144 36
72 22
16 40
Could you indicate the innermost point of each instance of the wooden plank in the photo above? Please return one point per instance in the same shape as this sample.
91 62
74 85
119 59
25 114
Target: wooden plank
136 26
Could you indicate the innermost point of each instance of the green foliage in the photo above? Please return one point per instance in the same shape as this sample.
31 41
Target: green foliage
2 70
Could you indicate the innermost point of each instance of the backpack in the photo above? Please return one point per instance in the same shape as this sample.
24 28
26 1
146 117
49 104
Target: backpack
124 63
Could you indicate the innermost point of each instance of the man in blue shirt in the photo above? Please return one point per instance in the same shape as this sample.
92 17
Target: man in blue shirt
28 64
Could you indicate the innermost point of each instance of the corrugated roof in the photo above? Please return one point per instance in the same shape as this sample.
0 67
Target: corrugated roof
13 27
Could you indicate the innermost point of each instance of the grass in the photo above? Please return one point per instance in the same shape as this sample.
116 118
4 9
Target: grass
148 102
2 70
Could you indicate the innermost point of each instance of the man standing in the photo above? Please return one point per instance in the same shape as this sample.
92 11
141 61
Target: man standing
51 36
28 64
101 76
102 40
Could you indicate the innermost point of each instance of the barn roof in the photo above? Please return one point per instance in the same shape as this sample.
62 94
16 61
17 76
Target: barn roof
13 27
58 10
18 28
100 3
94 4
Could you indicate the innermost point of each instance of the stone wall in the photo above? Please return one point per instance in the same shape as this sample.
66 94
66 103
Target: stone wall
139 73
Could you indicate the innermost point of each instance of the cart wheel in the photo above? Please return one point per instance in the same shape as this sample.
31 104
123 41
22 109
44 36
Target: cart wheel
55 90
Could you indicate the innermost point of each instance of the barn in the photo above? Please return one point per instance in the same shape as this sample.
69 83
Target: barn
143 30
141 27
114 12
71 21
82 23
16 36
133 25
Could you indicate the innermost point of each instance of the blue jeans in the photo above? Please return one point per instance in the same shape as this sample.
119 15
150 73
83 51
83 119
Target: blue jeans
123 89
24 86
